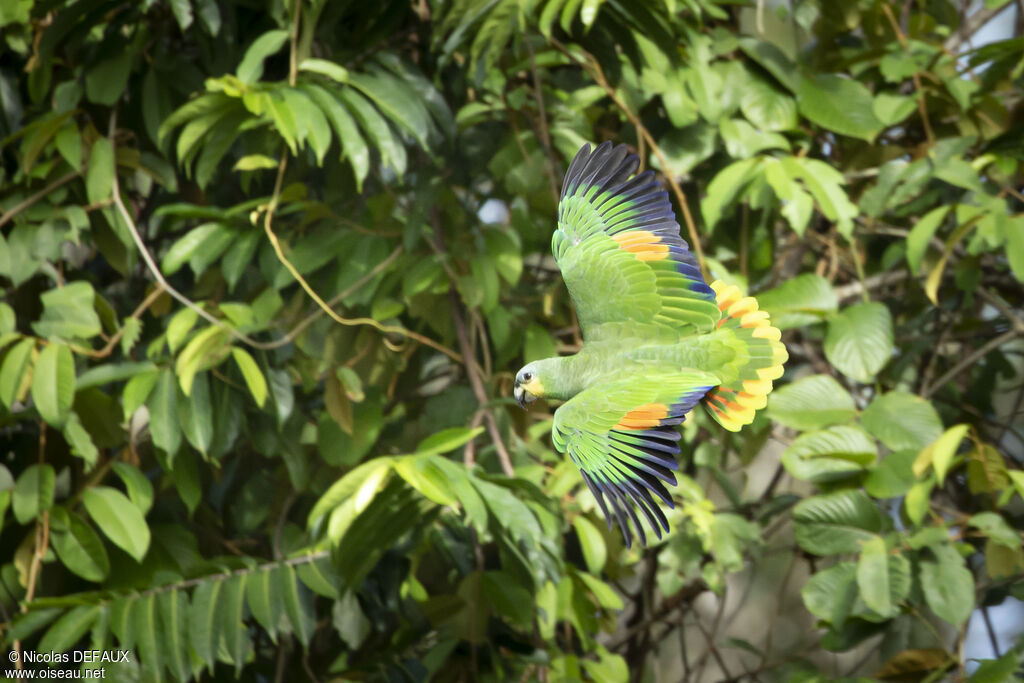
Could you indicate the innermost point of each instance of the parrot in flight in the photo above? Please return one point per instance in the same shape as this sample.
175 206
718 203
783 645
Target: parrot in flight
657 340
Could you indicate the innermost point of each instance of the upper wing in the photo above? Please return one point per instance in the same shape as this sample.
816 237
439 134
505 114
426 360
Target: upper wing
619 249
622 436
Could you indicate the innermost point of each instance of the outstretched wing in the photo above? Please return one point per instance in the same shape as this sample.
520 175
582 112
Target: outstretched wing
622 436
620 253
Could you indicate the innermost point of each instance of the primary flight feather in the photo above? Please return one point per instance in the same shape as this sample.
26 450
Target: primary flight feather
657 340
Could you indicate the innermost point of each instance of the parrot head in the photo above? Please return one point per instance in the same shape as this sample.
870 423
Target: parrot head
528 387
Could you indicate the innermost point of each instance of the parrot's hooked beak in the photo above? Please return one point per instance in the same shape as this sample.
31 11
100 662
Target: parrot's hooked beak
523 397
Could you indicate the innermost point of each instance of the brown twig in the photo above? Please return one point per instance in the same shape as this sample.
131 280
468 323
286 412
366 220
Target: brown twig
969 360
29 201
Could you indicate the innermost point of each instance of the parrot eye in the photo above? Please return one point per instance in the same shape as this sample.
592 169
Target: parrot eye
527 376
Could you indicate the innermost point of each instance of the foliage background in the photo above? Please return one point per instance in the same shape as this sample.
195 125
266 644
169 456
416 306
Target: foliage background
201 464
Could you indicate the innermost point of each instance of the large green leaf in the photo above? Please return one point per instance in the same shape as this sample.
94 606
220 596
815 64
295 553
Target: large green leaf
948 585
99 178
829 594
173 609
69 313
163 413
901 420
832 453
250 69
69 629
53 384
81 550
838 104
859 340
118 519
33 493
17 362
836 522
883 579
812 402
803 300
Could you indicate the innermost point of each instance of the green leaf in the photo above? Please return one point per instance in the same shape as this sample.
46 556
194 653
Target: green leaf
508 597
352 144
195 414
79 440
182 10
811 402
948 585
447 440
173 609
830 593
182 250
592 542
13 371
902 421
377 130
774 60
231 604
108 373
325 68
203 634
803 300
349 621
829 454
725 187
252 374
873 576
139 488
205 349
118 519
81 550
893 476
939 454
53 384
265 600
996 528
69 143
33 492
105 82
766 107
163 413
921 236
69 629
254 162
69 312
144 623
99 178
250 69
742 140
836 522
420 473
296 604
839 104
891 109
859 340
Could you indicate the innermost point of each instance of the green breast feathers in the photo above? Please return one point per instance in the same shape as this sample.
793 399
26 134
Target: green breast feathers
657 341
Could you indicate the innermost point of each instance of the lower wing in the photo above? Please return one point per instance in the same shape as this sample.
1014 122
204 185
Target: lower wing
622 436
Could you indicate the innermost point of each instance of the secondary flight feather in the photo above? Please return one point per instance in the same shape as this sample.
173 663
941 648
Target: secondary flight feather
657 341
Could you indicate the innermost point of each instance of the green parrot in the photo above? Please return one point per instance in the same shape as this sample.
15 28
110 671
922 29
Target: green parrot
657 340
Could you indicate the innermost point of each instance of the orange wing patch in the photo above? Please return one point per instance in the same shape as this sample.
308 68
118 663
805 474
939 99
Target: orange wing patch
646 246
646 416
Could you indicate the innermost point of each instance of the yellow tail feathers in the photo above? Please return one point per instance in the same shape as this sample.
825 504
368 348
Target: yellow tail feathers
761 355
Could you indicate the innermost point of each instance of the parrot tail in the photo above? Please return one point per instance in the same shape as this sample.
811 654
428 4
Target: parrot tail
760 355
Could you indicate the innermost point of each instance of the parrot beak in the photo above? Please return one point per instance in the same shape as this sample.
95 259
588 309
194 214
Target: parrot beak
523 395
